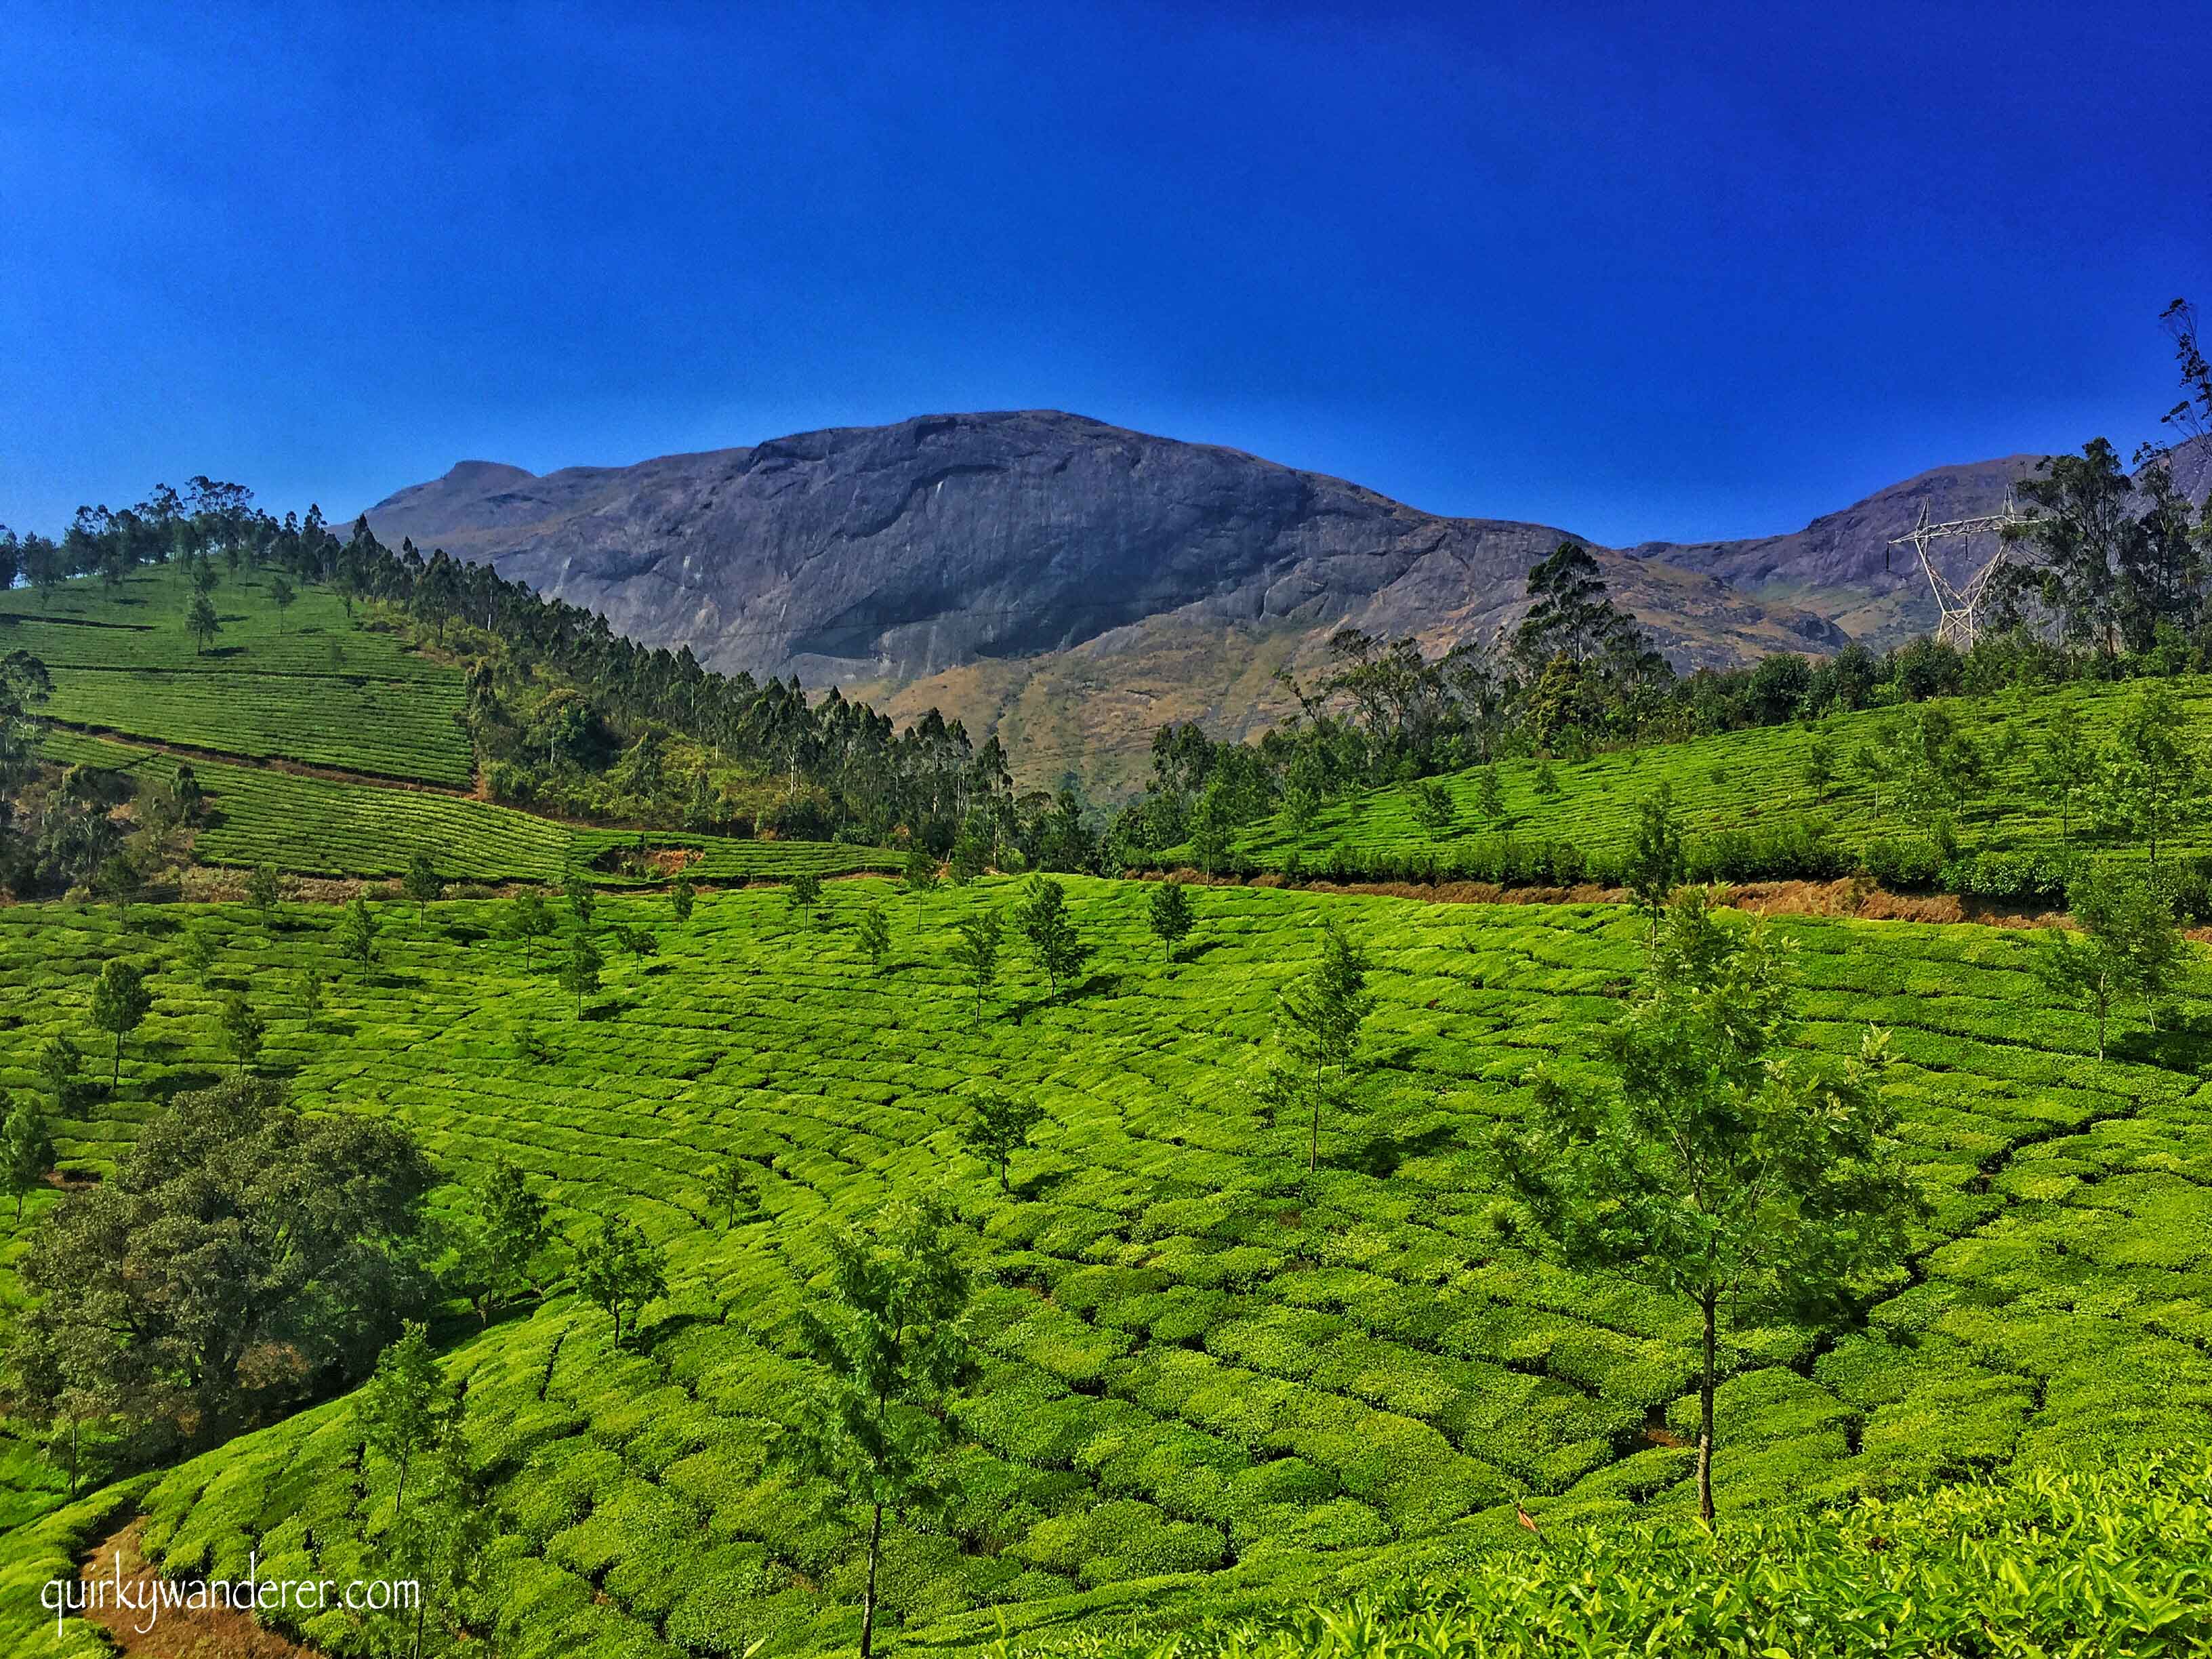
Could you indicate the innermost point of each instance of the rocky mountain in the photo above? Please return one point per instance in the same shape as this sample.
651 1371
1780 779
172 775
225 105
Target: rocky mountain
1072 584
1035 559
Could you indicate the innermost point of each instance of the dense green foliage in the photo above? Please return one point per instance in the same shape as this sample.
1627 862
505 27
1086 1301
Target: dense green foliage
2112 1563
1852 794
1196 1359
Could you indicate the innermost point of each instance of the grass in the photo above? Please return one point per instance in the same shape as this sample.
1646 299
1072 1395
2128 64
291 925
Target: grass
305 685
1747 781
321 827
1211 1381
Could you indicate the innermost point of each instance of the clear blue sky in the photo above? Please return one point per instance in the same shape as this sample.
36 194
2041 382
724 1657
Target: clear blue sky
1641 272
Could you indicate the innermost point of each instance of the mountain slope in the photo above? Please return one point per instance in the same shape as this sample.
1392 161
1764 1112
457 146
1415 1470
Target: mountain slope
982 559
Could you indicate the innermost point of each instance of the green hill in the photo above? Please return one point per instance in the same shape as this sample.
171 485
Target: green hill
1211 1382
319 685
303 683
1815 800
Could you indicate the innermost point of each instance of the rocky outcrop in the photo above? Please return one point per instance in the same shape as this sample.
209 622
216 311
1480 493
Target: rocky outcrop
884 555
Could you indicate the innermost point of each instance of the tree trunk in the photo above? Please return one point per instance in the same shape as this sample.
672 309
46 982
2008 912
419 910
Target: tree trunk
1313 1143
868 1602
115 1079
1705 1418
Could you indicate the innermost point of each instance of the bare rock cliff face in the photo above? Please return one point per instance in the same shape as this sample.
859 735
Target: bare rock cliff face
884 555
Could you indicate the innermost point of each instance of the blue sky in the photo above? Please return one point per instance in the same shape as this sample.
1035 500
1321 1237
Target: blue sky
1640 271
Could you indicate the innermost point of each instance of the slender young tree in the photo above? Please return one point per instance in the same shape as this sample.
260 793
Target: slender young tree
356 933
422 883
198 953
262 891
1171 914
26 1146
582 902
280 595
2150 772
1489 794
202 623
682 896
1434 809
580 968
2064 764
730 1189
1711 1166
529 920
887 1335
309 986
1043 918
998 1127
121 1000
243 1030
1317 1023
621 1270
805 895
921 870
976 953
59 1064
2128 946
874 934
1655 863
401 1408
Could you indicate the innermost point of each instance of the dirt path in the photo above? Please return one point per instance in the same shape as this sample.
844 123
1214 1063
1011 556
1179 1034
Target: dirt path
175 1633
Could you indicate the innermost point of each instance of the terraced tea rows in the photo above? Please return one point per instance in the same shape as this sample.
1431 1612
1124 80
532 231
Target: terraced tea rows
307 685
320 827
1748 779
1202 1363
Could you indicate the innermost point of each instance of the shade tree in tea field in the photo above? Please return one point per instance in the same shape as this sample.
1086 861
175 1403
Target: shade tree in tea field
997 1126
621 1270
885 1332
1042 918
1169 914
1317 1031
233 1229
121 1001
1711 1166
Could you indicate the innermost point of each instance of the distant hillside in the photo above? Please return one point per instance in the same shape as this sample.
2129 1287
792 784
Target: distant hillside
1070 585
1019 566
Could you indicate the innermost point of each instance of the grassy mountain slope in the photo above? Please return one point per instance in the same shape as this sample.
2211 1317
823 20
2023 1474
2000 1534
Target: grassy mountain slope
1757 780
1210 1379
306 686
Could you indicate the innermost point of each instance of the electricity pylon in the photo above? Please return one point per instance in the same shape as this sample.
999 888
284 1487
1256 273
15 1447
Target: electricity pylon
1958 606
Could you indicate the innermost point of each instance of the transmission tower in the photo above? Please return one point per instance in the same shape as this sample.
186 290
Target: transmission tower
1959 606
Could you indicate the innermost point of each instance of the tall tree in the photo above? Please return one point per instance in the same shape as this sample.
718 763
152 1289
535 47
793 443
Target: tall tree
1043 920
580 968
233 1228
2063 762
2151 772
621 1270
1709 1166
202 623
529 920
874 935
422 883
26 1146
998 1127
976 952
282 594
356 933
2127 945
886 1334
1169 913
730 1189
1655 861
121 1000
1317 1025
243 1030
402 1407
262 891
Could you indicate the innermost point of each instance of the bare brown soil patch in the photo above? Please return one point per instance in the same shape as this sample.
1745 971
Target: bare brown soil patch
175 1633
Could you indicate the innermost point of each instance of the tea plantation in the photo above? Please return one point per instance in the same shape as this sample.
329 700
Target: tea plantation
1799 779
320 827
303 683
1213 1383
